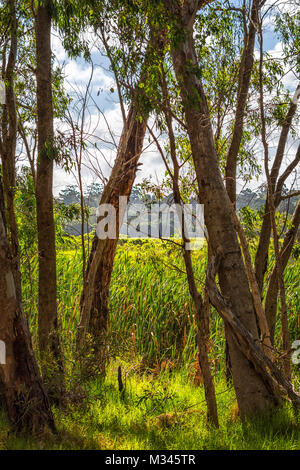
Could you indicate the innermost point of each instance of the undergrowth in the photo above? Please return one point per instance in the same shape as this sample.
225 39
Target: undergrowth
157 412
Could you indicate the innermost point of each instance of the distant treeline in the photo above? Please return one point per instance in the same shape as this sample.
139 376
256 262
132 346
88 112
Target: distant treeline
255 199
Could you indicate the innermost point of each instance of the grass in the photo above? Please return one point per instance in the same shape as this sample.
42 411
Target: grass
157 412
153 331
151 312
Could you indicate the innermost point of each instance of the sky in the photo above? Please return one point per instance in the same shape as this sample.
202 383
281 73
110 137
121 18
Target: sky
77 75
105 112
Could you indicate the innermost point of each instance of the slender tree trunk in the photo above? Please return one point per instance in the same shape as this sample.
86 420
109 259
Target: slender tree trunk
245 71
253 393
271 201
243 89
94 315
202 343
94 301
285 253
8 145
48 327
20 383
202 319
261 257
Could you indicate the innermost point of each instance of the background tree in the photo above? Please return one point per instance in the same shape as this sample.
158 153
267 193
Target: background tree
94 302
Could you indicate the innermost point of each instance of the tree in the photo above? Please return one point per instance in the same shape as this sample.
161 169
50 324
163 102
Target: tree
26 401
283 113
48 325
9 137
261 258
94 316
245 69
252 390
201 309
20 382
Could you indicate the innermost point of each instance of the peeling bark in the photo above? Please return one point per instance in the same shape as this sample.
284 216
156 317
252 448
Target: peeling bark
94 314
20 383
94 301
253 394
272 289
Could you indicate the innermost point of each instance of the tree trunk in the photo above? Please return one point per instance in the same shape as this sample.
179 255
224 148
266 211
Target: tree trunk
25 398
202 343
8 145
274 380
271 198
245 71
261 257
94 302
253 394
246 67
94 315
202 319
48 328
285 253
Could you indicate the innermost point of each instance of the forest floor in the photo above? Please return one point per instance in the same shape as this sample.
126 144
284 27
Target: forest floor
152 321
156 412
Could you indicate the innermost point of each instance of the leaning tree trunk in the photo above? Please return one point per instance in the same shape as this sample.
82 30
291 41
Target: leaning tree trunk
94 315
20 382
94 302
285 253
261 257
253 393
47 328
246 67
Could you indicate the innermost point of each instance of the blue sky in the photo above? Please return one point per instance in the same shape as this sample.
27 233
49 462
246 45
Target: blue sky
77 74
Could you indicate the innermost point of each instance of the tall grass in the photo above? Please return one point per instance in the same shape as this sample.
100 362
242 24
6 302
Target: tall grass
151 312
152 337
156 412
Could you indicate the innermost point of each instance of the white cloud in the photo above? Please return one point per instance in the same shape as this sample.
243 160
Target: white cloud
57 48
289 80
77 74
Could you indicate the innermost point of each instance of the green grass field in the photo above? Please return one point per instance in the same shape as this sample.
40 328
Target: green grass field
157 413
152 337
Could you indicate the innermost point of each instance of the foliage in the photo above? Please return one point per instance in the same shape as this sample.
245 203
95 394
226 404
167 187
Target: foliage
108 421
151 312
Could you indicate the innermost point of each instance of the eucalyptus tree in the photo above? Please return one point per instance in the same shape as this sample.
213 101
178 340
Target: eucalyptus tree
245 130
273 199
174 162
46 234
221 40
256 388
281 118
48 13
9 129
20 381
244 77
135 50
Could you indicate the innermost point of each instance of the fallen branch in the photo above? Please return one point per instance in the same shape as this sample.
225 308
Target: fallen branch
245 341
261 317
